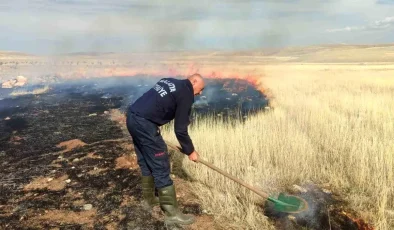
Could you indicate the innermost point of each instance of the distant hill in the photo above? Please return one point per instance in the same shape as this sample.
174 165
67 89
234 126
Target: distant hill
337 53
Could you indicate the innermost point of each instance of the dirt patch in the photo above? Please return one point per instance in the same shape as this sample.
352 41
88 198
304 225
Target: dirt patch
126 162
111 226
71 144
96 171
127 200
92 155
74 195
118 116
79 202
47 183
64 216
127 146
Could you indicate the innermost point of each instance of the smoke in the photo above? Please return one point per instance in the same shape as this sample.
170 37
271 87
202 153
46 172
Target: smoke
325 211
207 96
173 25
58 27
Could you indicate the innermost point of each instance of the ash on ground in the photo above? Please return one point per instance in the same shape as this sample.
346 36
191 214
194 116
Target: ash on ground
65 164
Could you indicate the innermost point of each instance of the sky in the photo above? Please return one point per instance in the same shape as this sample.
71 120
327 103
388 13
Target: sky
65 26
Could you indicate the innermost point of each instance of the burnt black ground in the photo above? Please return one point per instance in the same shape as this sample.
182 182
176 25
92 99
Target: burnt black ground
44 121
31 126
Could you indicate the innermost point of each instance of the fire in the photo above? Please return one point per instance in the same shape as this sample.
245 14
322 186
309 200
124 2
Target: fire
174 70
361 224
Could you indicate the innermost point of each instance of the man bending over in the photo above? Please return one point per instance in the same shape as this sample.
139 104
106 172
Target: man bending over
169 99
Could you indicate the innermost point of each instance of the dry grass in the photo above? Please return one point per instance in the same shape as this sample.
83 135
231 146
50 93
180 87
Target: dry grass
34 92
330 125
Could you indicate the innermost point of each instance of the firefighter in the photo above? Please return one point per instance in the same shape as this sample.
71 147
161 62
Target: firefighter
169 99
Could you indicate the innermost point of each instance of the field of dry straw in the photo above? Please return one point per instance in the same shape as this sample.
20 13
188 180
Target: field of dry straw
331 124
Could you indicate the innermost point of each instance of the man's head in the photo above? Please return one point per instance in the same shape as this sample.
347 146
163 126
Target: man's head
197 83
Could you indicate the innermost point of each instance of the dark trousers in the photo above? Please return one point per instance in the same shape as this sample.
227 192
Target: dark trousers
151 149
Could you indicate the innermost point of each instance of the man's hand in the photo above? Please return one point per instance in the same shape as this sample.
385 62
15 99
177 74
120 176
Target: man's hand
193 156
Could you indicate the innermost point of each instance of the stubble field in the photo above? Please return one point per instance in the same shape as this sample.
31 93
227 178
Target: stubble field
332 125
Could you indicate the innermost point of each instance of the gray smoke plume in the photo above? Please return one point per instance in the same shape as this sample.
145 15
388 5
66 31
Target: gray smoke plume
44 26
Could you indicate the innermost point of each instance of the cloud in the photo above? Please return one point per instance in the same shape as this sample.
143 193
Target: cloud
383 24
347 28
385 2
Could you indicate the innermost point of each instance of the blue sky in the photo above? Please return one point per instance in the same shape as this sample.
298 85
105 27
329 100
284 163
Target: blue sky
61 26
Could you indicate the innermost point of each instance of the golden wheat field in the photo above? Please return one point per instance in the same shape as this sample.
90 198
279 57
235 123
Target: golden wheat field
330 124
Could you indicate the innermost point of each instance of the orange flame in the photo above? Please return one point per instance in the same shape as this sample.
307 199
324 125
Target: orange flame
361 224
167 70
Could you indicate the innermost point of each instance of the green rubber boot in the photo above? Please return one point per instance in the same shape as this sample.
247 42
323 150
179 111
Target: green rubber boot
169 205
148 193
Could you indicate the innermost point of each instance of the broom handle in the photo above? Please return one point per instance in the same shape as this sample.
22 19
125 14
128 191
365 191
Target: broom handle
262 194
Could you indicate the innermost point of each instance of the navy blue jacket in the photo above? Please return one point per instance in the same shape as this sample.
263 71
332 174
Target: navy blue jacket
169 99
